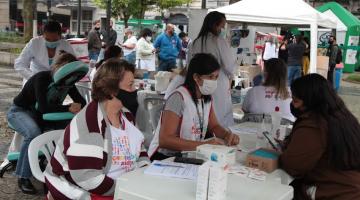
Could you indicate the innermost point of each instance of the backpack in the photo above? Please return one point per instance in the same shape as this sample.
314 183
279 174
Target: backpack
339 57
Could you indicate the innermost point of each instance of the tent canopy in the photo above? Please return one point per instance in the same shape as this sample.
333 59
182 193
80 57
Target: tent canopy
344 15
295 12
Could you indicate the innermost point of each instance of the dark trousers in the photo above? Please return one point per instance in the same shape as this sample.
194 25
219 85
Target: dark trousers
331 74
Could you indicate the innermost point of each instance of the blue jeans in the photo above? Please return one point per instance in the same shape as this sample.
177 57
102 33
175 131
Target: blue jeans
294 72
167 65
25 124
131 58
94 55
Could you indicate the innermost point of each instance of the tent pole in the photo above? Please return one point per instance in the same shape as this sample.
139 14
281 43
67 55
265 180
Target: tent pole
313 47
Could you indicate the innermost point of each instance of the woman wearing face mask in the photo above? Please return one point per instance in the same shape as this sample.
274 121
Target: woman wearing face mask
39 53
322 151
145 51
211 40
106 146
188 114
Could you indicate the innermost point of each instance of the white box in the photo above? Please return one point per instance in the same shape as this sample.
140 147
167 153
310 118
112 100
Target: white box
222 155
211 182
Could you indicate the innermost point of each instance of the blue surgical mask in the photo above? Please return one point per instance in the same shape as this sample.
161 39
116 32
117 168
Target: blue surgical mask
222 33
52 45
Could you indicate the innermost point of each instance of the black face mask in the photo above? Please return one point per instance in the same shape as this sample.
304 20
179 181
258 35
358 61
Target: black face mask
295 111
97 28
129 100
330 42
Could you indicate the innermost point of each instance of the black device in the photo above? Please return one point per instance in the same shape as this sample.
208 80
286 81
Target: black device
194 161
265 133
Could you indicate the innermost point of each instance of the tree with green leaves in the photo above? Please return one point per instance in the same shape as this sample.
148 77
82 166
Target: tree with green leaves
136 8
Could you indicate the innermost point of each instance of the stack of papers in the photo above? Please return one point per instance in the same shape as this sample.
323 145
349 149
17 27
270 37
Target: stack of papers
248 172
244 130
172 169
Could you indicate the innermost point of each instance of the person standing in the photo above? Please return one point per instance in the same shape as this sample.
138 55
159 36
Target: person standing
39 52
296 51
129 46
211 40
94 41
332 53
269 49
168 45
145 51
111 40
185 40
306 56
283 51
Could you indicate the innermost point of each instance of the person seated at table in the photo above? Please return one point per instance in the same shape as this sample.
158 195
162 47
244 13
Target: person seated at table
100 144
322 151
272 93
27 120
188 114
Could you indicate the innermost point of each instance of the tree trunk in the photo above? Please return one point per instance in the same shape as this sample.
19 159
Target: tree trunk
28 16
126 19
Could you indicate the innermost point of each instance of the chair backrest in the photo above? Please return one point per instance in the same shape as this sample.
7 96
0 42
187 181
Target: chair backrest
46 144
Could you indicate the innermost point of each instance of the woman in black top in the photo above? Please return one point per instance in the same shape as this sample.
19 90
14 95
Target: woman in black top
283 51
27 121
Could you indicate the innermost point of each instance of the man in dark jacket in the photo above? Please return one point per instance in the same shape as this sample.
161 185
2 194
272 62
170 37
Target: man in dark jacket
94 41
296 51
332 53
111 40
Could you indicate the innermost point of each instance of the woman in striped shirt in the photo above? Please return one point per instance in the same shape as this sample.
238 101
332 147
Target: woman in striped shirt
100 144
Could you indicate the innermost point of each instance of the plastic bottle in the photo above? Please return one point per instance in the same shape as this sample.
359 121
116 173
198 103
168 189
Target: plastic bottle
261 140
275 122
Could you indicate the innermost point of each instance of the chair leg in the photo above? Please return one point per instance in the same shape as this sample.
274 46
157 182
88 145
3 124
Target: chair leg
5 168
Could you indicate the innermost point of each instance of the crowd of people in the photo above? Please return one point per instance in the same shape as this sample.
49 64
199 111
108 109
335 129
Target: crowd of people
102 142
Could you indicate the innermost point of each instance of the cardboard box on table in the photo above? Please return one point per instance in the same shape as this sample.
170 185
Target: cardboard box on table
263 159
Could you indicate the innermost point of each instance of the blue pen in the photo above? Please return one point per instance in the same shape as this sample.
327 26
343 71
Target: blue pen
167 165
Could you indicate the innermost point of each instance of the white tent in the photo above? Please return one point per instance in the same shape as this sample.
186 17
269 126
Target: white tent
286 12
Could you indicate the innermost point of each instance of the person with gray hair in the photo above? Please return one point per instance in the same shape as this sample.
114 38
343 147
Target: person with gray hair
129 46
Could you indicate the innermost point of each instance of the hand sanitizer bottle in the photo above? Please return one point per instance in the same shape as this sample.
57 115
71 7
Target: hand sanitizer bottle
275 121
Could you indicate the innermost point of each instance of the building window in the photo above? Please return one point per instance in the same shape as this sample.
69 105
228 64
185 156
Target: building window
86 21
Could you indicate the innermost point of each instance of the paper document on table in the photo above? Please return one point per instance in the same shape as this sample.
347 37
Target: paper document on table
244 130
172 169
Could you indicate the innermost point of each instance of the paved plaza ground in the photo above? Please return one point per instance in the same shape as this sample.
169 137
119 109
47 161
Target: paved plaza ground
10 84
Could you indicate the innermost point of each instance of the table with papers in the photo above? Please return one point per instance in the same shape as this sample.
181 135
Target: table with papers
138 185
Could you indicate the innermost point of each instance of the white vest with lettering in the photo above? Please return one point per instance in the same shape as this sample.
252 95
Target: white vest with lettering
190 122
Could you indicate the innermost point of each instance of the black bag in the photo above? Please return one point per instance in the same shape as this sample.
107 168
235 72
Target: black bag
339 57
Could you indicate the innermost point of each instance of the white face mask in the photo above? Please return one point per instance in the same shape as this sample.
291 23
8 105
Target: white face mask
148 38
208 87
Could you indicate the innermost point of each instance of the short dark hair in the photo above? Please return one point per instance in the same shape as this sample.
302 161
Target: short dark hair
146 32
333 36
343 136
53 27
182 35
107 78
201 64
110 52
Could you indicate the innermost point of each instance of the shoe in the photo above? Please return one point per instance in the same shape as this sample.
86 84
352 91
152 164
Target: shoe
26 186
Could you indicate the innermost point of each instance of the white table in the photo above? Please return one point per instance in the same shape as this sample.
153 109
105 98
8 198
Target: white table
136 185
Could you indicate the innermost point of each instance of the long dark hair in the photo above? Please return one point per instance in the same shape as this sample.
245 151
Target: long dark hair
276 76
343 133
201 64
211 20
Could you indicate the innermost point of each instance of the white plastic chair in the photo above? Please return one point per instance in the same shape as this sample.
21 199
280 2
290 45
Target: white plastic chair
46 144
